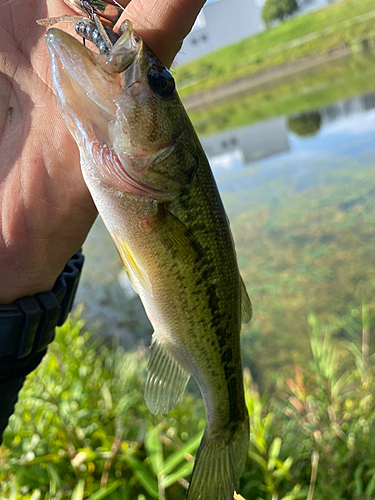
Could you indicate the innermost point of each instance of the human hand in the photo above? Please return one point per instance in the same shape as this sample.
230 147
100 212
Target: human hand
46 210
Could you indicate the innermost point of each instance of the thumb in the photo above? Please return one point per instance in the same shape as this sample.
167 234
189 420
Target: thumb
162 25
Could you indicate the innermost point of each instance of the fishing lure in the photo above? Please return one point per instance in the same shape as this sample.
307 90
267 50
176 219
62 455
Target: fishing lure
96 28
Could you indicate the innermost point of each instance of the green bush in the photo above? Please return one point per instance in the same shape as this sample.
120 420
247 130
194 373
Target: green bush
81 428
82 431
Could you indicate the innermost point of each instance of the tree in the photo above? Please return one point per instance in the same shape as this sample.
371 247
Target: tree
305 124
274 10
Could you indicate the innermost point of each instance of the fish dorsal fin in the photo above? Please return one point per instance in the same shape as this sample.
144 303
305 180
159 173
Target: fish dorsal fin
166 380
246 308
137 276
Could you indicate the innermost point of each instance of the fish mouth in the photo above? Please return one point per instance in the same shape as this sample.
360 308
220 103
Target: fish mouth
79 73
88 87
79 78
124 52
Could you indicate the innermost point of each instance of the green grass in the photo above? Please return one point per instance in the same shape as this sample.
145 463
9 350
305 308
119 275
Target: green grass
311 90
344 22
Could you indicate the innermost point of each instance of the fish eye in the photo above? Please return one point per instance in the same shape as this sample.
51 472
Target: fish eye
161 81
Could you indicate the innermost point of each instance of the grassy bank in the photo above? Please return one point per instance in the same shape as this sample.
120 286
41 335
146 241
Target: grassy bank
346 22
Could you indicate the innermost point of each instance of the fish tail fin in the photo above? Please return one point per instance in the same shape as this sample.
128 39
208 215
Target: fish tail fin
219 463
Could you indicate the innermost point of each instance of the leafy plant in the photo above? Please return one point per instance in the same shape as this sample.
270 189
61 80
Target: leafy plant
81 430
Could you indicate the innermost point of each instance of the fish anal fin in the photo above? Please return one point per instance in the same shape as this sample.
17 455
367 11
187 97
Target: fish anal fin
246 307
166 380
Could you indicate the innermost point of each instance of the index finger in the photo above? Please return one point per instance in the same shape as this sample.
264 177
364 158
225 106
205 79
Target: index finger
162 24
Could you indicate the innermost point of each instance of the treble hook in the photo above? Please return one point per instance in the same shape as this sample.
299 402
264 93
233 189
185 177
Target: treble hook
89 9
108 12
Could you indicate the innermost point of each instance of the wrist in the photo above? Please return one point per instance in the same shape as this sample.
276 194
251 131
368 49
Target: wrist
30 274
28 324
23 286
20 280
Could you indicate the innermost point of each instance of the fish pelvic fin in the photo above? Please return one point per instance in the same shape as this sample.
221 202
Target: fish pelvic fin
136 274
246 307
166 380
219 463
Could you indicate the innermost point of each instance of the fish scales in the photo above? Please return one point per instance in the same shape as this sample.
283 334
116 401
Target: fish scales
155 191
222 293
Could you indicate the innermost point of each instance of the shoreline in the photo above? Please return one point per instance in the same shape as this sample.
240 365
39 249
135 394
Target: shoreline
261 79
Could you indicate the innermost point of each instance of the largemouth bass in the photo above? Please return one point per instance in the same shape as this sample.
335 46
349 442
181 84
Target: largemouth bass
155 192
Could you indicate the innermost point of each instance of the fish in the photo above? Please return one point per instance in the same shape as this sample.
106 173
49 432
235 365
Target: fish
154 189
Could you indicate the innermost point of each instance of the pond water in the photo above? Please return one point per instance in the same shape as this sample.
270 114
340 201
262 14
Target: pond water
329 136
299 193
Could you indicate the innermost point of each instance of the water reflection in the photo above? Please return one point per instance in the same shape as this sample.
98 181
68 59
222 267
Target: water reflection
237 148
252 143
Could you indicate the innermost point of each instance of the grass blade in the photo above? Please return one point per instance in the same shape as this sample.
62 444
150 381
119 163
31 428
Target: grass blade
143 475
187 468
78 490
103 493
173 460
154 449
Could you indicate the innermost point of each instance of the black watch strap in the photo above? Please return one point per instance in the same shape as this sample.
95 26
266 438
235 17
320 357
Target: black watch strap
28 324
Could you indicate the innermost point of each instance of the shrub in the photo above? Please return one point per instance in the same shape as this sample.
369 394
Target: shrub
81 429
277 10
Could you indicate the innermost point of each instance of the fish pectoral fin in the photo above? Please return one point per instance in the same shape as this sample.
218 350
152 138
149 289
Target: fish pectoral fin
246 307
137 276
166 380
175 236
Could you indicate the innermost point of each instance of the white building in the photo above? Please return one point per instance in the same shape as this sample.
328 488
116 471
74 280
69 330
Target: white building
222 22
252 142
